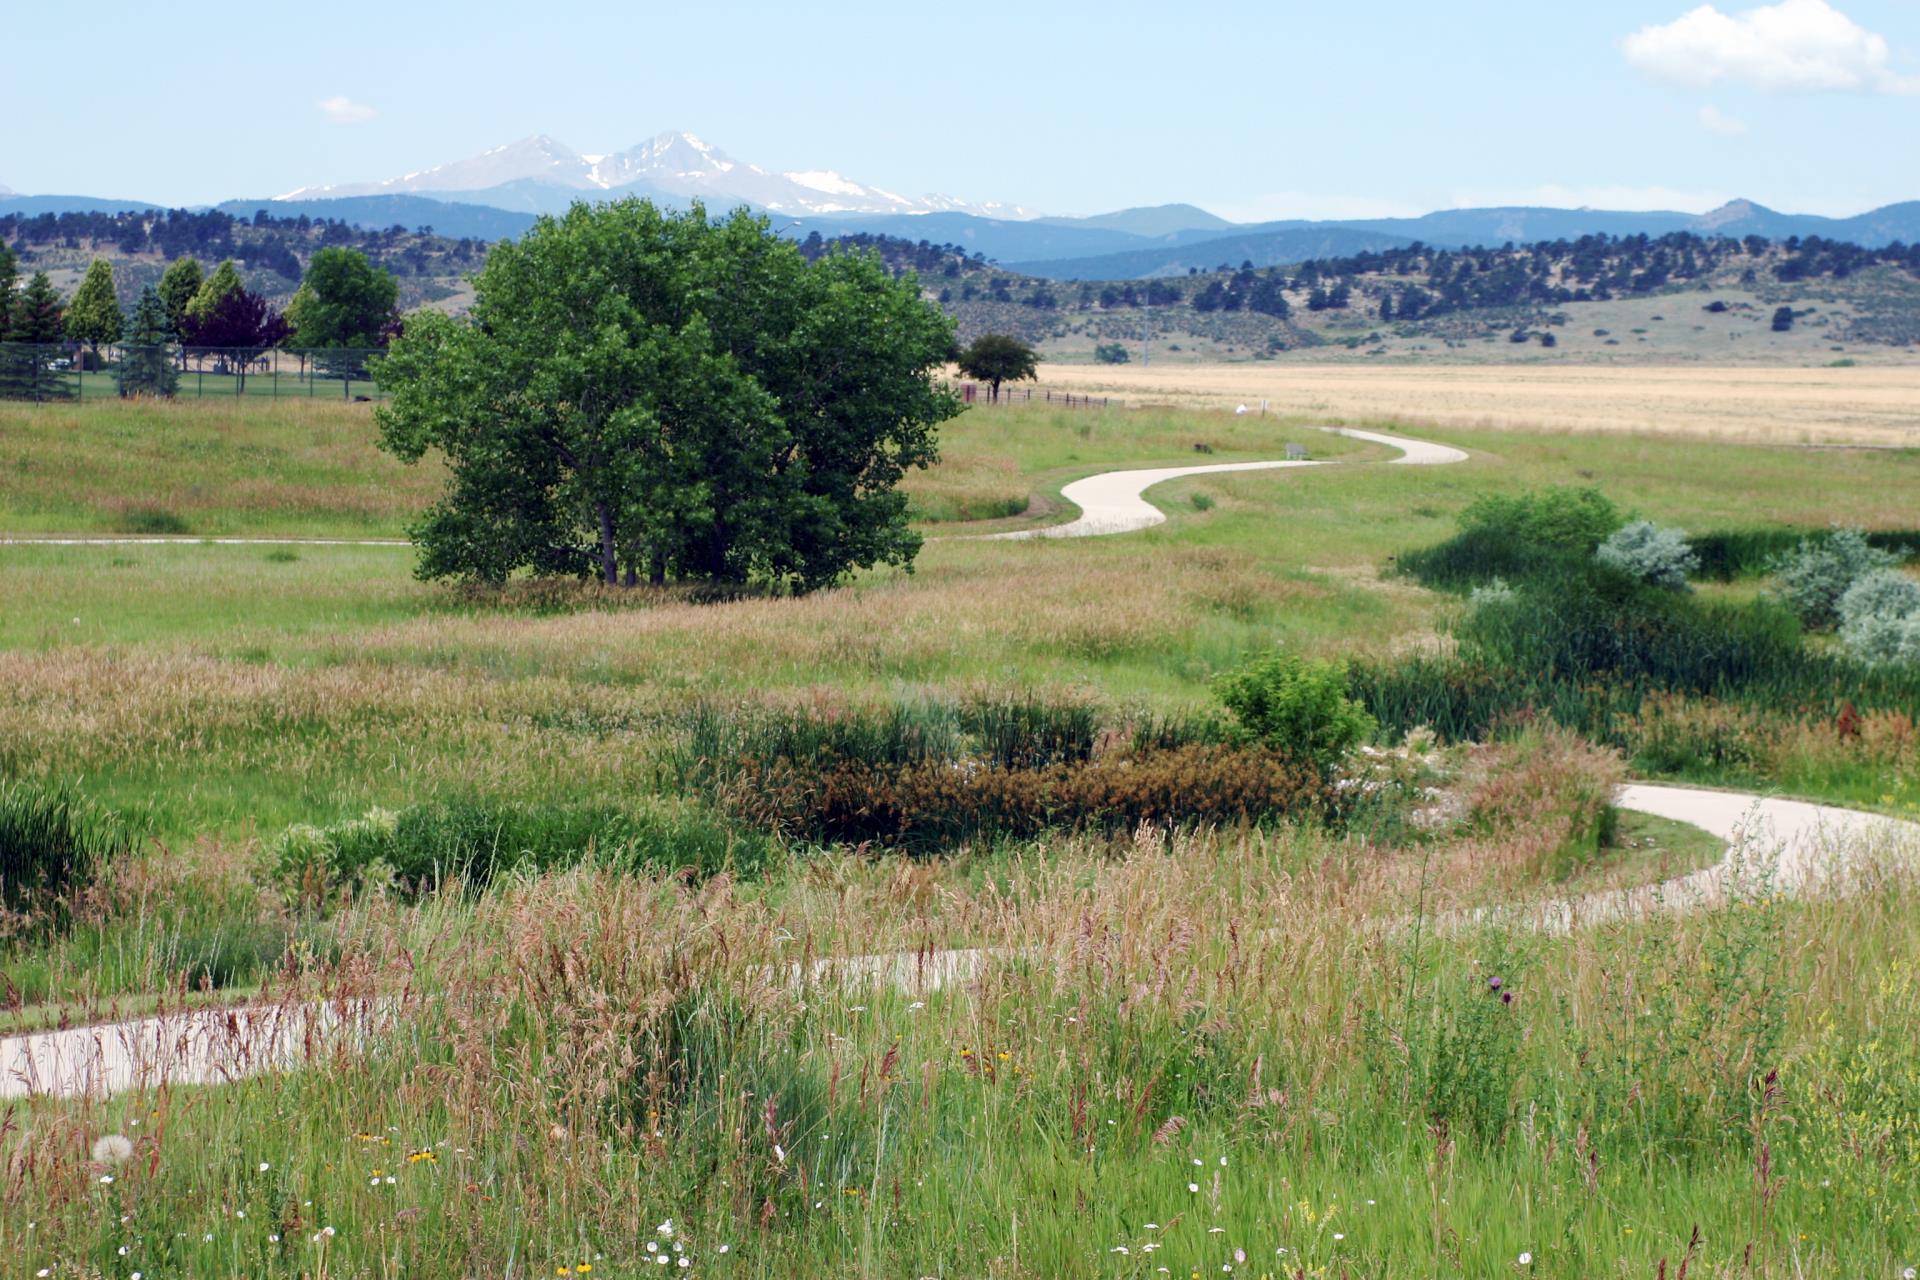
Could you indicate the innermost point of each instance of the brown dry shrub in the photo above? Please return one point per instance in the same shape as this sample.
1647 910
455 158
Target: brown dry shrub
943 803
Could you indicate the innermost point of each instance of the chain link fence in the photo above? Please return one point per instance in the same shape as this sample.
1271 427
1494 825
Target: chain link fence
65 371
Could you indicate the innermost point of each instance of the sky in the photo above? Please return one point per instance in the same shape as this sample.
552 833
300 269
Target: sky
1254 110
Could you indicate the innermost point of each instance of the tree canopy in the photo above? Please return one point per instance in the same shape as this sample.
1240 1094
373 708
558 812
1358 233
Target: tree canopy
660 394
178 285
995 358
93 316
345 301
225 315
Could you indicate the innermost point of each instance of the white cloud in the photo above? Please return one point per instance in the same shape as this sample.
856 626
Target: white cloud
343 110
1795 45
1714 120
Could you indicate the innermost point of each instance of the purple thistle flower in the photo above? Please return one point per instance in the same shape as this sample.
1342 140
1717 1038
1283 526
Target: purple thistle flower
1495 983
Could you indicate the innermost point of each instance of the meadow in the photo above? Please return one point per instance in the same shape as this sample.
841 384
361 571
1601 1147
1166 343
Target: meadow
582 845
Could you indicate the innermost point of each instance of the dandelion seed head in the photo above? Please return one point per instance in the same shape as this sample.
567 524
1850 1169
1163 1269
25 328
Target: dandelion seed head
112 1148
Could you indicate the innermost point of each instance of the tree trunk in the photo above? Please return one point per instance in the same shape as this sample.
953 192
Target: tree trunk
609 555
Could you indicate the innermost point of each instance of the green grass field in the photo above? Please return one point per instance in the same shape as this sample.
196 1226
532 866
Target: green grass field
1210 1051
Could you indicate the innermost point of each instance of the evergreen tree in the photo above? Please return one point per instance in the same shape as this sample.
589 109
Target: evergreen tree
26 366
177 287
36 315
9 281
93 317
146 369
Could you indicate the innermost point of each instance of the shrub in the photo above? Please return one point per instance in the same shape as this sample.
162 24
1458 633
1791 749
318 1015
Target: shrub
1650 554
1882 593
1731 554
1816 573
1516 537
1564 518
1298 708
53 844
939 804
1496 592
1882 641
1111 353
474 840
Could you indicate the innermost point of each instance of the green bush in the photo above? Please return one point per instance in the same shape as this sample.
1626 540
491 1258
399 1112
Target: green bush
53 844
1562 518
1651 554
1515 537
473 840
1297 708
1817 573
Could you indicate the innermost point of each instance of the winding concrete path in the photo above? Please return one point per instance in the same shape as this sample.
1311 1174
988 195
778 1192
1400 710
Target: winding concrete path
1772 844
1115 501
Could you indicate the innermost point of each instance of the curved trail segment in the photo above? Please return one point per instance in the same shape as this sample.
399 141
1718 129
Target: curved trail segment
1115 502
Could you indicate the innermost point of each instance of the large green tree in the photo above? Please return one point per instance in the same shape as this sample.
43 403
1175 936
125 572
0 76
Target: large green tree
995 358
146 368
345 301
644 393
178 285
93 316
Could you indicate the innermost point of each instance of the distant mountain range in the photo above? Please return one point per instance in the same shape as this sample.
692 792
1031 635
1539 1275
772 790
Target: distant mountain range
541 175
499 193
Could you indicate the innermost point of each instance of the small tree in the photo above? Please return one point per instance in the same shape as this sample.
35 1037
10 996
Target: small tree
345 301
36 324
226 316
1111 353
1296 707
93 317
146 369
1783 320
178 285
994 358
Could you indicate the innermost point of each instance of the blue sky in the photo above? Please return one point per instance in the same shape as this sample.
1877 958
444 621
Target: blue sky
1251 109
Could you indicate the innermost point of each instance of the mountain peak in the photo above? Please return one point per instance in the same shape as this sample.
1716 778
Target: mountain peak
545 173
1734 211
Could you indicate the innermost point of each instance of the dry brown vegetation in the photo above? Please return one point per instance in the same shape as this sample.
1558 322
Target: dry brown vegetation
1749 404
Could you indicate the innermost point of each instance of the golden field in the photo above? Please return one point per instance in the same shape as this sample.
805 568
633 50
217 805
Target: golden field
1873 406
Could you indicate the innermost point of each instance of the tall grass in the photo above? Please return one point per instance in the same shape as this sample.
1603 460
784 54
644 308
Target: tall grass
1212 1047
53 844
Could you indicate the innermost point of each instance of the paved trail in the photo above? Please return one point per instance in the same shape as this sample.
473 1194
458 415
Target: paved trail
1115 501
1803 847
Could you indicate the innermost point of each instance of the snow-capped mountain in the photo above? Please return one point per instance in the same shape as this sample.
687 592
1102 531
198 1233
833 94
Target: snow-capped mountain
672 164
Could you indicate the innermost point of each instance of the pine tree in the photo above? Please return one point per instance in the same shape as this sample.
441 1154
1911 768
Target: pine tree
9 281
93 317
146 367
26 369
